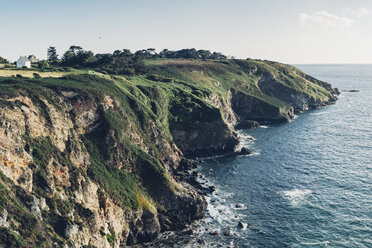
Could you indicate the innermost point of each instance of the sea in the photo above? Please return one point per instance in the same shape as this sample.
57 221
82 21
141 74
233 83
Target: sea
308 182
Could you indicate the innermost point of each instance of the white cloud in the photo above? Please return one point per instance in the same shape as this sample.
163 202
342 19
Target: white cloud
328 20
325 20
360 13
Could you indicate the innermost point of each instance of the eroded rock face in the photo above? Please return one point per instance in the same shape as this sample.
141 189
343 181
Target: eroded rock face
251 108
297 99
246 124
224 105
205 139
14 160
93 215
183 208
4 218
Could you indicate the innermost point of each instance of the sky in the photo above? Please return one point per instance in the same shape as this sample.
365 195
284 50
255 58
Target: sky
288 31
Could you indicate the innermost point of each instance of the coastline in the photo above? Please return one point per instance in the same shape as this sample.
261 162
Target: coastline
109 154
207 189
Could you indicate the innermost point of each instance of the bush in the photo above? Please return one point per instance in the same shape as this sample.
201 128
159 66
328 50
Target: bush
198 93
3 61
111 239
159 78
36 75
19 76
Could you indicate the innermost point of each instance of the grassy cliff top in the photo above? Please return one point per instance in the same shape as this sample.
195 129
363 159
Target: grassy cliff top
220 76
204 77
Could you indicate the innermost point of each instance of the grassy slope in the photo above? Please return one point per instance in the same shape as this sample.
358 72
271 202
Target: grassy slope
292 77
242 75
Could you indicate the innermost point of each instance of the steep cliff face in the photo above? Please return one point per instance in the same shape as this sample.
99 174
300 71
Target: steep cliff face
299 99
92 161
200 129
248 107
84 171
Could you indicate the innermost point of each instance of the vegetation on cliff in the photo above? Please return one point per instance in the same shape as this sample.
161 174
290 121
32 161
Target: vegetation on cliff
79 150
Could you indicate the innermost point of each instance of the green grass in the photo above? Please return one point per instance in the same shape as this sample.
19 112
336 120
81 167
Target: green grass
11 239
241 75
111 238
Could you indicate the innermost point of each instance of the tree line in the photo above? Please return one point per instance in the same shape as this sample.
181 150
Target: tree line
122 61
3 60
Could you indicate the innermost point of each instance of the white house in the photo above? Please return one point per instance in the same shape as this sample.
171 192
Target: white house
23 61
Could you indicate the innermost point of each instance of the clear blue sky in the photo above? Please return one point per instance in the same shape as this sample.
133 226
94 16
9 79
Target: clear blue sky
290 31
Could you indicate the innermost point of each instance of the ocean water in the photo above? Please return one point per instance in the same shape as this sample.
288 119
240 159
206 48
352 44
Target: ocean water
308 183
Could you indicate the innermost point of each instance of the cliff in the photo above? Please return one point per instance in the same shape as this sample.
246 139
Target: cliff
94 160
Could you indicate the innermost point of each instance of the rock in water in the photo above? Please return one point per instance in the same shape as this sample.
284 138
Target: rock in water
238 205
247 124
211 189
201 241
242 225
214 233
245 151
227 233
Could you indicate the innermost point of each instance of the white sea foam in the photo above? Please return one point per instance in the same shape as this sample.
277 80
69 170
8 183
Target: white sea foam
255 153
296 196
316 243
327 112
246 137
263 126
320 113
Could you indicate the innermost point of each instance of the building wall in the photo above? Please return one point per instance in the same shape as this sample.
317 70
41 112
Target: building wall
21 63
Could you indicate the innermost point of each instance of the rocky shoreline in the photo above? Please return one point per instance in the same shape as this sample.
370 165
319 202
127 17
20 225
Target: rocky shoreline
188 172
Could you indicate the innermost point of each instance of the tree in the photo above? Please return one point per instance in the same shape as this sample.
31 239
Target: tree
52 54
204 54
164 53
76 56
103 59
116 52
189 53
43 64
75 49
3 61
218 56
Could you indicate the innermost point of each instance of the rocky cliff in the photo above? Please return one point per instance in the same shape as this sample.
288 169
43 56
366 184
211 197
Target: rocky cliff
94 161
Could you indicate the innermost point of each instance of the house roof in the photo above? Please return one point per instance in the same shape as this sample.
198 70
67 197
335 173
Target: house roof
24 58
33 58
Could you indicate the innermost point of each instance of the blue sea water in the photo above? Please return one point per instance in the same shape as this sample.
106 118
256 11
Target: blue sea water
308 183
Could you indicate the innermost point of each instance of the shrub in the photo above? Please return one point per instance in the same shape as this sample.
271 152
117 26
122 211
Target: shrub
159 78
111 239
36 75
